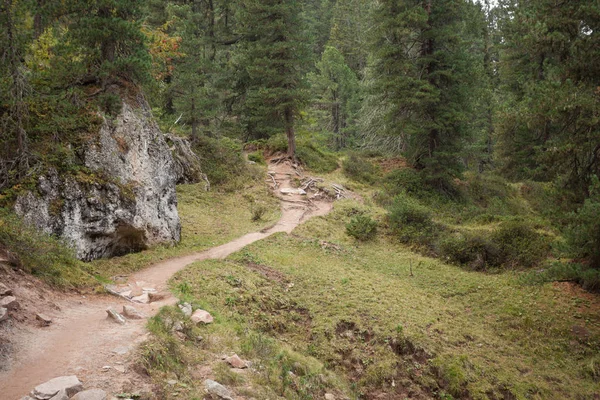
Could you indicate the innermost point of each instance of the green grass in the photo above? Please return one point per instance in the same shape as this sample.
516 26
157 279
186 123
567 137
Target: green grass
355 308
208 219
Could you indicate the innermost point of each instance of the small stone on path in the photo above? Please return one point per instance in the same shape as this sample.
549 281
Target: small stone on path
121 350
215 388
120 368
131 313
9 302
92 394
292 191
3 314
329 396
236 362
43 318
115 316
49 389
4 290
156 296
143 298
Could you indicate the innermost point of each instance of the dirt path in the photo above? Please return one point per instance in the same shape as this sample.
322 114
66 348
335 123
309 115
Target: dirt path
83 342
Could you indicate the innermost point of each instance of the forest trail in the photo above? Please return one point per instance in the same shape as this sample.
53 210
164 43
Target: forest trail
82 341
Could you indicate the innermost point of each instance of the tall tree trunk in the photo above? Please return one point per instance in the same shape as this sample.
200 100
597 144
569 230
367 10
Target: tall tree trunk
18 109
194 122
38 21
108 46
289 131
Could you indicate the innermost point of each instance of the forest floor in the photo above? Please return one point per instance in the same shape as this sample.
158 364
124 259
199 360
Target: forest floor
82 341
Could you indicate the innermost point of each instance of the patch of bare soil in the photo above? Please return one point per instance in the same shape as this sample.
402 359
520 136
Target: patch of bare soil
83 341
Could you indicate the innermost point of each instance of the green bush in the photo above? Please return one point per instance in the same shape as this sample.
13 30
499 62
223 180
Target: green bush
412 222
588 278
257 157
476 251
362 227
583 235
519 244
40 254
359 169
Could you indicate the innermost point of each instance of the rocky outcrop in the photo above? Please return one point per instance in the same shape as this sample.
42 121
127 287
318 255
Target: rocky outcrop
128 200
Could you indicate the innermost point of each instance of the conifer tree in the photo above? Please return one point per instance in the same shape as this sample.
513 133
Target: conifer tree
550 126
336 87
421 75
274 58
109 39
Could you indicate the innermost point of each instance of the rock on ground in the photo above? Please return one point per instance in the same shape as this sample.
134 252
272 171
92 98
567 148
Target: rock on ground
134 209
132 313
92 394
9 302
62 395
43 318
186 309
115 316
202 316
3 314
236 362
4 290
143 298
329 396
292 191
216 389
49 389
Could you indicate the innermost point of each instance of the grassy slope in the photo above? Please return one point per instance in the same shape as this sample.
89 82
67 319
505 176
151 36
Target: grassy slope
355 308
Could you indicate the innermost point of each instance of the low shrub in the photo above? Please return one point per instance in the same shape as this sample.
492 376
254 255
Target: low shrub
473 250
588 278
359 169
519 244
583 234
512 244
412 222
362 227
257 157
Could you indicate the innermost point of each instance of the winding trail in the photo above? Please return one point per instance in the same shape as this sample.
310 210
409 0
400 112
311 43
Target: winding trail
82 341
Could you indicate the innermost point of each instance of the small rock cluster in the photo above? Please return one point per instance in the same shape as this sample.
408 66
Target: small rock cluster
7 301
66 388
140 292
129 312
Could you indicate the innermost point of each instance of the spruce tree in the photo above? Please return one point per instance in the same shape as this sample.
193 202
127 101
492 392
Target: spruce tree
109 39
421 75
275 55
550 125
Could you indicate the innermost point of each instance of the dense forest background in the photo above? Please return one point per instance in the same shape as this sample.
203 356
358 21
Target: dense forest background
461 90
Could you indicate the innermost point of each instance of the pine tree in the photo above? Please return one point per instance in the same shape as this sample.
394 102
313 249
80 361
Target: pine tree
422 75
109 39
275 54
336 88
550 125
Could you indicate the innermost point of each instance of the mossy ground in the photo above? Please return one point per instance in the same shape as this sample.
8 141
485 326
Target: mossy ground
374 318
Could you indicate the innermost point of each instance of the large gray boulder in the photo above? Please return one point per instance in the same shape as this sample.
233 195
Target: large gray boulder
126 204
